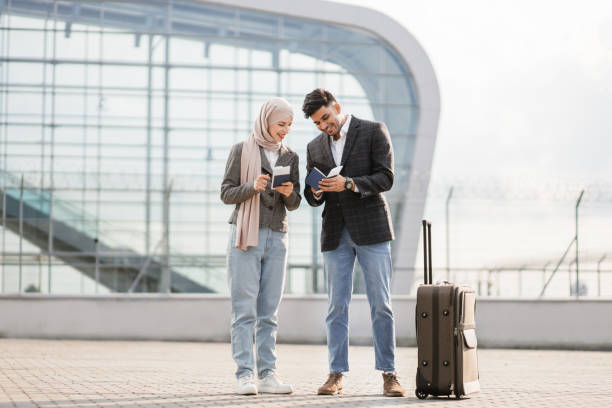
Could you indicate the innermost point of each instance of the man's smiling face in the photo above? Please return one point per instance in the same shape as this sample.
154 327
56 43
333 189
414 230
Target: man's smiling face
328 119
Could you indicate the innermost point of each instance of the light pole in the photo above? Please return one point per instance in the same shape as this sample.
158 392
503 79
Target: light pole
599 274
544 273
569 274
165 279
577 268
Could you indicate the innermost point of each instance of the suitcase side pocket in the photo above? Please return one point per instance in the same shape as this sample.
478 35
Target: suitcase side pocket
467 344
469 383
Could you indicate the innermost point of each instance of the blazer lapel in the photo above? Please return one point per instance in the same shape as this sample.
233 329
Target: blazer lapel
351 135
265 164
325 147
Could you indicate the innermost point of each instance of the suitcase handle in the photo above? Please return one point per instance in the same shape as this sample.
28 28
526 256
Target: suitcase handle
429 250
427 269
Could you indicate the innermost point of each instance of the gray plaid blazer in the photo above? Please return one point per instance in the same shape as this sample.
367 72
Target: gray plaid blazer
368 159
272 204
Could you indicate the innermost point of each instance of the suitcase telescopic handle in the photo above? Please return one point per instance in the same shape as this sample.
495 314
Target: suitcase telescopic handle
425 252
427 269
429 265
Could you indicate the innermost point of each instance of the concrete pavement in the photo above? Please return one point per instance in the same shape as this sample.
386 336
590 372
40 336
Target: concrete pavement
60 373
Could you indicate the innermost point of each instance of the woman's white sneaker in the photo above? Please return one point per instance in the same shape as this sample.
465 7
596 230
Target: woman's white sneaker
246 385
273 385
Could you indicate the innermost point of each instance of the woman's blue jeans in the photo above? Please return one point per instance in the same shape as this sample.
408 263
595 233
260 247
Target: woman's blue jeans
256 280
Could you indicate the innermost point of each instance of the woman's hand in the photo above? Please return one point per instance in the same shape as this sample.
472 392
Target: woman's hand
261 182
316 193
285 189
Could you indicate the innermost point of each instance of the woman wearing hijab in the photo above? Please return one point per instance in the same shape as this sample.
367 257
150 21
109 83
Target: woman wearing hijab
257 249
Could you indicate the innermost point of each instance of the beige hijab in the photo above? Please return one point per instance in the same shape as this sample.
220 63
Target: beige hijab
247 223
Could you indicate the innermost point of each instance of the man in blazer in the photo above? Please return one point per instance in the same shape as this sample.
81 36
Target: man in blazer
356 223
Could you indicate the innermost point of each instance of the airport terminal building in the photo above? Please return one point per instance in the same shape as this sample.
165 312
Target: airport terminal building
116 119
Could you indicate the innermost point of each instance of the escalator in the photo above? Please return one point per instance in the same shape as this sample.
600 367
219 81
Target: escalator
78 242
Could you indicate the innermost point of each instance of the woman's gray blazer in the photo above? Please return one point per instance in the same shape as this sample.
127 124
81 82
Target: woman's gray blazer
272 206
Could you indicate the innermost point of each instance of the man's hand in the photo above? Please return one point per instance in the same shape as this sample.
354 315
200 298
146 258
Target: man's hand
261 182
285 189
335 183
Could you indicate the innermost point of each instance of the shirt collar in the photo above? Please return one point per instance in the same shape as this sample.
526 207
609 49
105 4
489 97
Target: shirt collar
343 130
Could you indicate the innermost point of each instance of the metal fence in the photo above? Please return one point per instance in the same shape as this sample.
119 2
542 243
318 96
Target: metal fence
492 251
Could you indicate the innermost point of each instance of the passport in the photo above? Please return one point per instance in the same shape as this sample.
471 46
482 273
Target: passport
280 174
316 175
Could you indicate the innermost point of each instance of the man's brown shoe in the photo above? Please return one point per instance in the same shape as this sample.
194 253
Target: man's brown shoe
332 386
391 386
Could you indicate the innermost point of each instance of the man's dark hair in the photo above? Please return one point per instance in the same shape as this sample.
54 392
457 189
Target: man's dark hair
314 100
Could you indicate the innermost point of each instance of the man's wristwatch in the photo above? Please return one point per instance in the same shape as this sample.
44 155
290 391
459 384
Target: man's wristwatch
348 184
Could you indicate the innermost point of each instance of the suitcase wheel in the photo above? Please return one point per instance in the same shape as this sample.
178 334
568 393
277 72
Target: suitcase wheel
420 394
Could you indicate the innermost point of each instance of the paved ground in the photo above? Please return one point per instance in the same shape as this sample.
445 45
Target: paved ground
48 373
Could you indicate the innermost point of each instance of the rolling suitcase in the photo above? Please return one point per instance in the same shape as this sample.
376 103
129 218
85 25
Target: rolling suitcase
446 335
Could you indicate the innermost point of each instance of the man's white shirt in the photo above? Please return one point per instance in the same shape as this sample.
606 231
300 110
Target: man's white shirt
337 147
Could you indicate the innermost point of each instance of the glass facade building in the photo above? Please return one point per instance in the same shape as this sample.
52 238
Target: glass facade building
116 119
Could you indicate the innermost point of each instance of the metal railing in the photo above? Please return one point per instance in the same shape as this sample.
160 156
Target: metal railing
531 282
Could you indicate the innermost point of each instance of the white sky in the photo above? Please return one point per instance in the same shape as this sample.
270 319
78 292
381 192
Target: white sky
526 86
526 93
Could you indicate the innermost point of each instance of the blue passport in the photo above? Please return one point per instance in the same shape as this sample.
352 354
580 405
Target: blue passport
280 174
316 175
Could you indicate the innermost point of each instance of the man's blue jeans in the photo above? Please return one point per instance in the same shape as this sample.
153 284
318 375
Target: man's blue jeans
375 261
256 280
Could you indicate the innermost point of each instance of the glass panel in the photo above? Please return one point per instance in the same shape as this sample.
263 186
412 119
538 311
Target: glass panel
120 76
68 105
222 80
224 65
187 51
69 74
71 45
126 106
188 79
25 106
25 73
30 133
261 59
28 44
123 47
17 21
222 54
264 81
11 273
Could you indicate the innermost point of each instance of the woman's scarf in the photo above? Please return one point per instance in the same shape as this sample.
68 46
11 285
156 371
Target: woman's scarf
247 223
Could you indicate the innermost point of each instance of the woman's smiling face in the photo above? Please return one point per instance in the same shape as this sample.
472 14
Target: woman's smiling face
280 129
